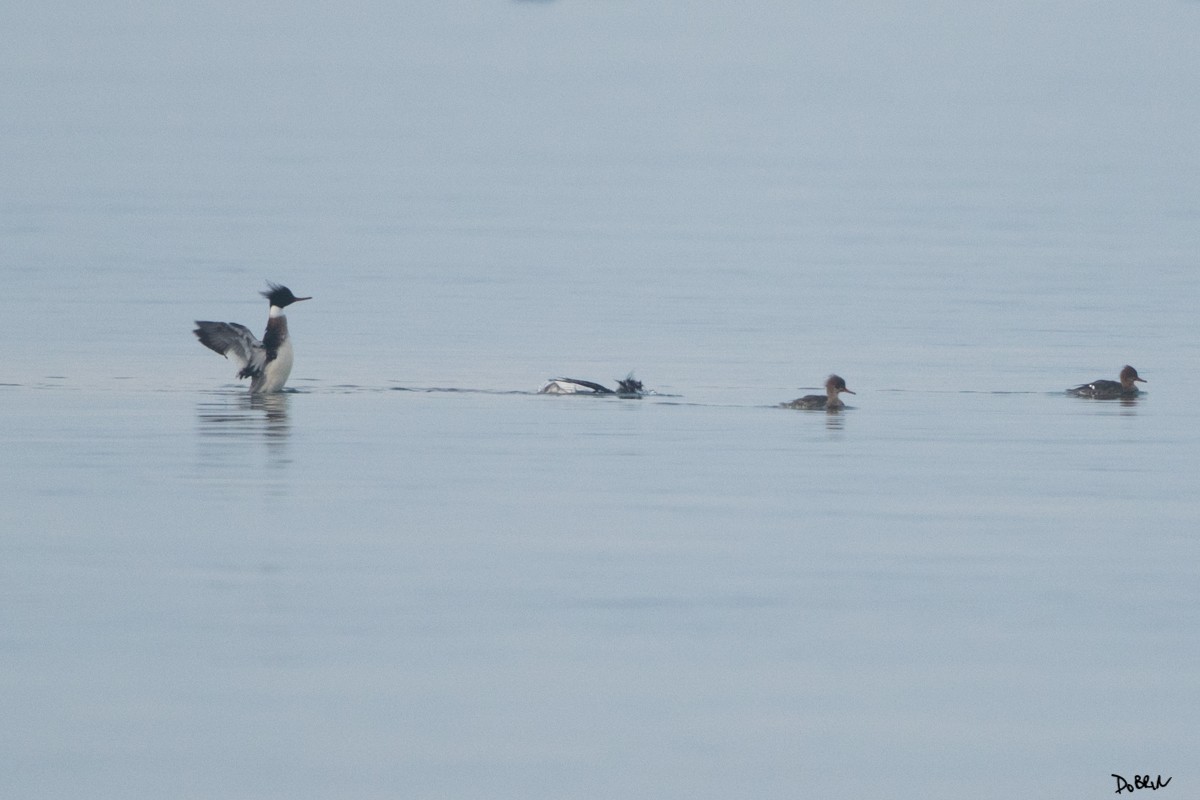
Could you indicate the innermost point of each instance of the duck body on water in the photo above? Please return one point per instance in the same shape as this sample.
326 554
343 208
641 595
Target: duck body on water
628 387
1125 386
834 386
267 363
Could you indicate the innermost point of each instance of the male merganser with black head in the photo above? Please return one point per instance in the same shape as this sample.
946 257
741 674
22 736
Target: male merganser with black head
829 401
267 363
1111 390
627 387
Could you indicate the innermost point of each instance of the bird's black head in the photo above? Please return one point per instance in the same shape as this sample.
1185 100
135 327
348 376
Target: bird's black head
630 386
281 296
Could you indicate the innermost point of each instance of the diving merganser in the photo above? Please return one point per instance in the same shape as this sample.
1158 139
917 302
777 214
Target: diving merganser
829 401
628 387
1110 390
267 363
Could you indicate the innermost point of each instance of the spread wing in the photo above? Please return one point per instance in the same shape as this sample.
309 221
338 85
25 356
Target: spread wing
234 341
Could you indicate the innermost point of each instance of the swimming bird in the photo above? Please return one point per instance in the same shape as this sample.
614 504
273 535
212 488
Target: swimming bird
627 387
1110 390
267 363
829 401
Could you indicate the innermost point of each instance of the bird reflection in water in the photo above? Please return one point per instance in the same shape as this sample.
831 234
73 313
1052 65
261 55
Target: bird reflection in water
835 420
241 416
229 422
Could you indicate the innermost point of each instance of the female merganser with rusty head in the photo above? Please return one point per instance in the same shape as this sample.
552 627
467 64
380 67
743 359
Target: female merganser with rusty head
1111 390
628 387
829 401
267 363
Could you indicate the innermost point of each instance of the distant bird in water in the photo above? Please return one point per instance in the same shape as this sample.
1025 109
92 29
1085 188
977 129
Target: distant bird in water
829 401
1111 390
267 363
628 387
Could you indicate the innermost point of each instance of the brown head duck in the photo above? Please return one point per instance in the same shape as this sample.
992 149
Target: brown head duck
1125 386
829 401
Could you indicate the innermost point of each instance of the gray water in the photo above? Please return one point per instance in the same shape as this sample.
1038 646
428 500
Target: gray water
412 576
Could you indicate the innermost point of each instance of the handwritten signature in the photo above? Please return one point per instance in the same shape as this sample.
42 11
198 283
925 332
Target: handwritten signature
1140 782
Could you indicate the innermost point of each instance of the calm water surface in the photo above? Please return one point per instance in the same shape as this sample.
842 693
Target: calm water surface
412 576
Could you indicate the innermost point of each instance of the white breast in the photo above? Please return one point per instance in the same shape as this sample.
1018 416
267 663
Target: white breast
276 373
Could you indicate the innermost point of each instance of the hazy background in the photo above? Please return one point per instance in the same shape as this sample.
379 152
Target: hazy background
967 585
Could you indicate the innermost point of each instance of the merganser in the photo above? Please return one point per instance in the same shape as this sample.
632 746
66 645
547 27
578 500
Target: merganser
267 363
1110 390
829 401
628 387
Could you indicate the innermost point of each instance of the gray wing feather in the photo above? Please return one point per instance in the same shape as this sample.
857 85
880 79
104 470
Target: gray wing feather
234 341
595 387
